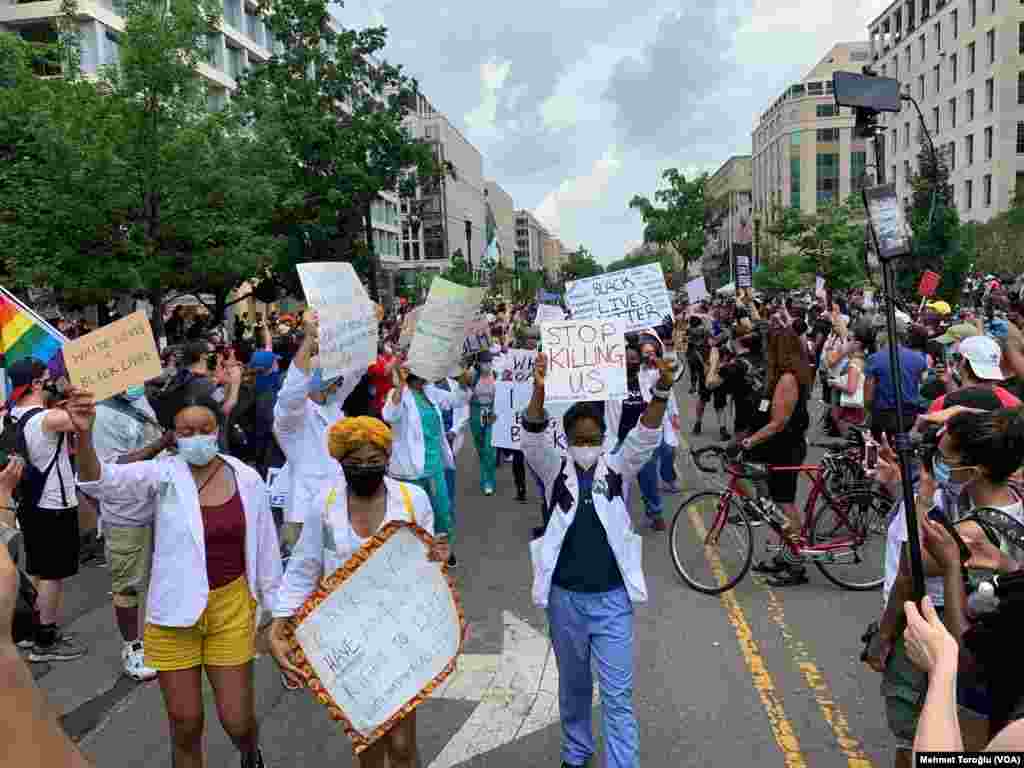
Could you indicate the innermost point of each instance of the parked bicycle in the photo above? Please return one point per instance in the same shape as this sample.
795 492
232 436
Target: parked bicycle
711 539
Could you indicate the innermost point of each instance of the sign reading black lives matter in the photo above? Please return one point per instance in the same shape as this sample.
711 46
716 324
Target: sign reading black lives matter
637 296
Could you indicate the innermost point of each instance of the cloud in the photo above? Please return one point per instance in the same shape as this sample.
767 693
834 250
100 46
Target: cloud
579 191
493 74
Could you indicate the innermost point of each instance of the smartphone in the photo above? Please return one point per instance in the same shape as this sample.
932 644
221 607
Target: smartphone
870 455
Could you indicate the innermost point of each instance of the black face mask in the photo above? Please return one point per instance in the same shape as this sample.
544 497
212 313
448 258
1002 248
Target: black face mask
364 481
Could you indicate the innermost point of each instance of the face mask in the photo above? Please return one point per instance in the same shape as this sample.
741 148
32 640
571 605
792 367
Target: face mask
364 481
944 477
135 393
585 455
198 450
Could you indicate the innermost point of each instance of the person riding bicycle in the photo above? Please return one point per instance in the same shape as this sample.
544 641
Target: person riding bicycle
779 437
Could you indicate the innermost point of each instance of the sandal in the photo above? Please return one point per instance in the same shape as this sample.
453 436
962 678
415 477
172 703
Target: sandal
774 566
790 577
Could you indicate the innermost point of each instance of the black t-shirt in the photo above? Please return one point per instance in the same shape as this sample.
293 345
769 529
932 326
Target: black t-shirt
632 407
586 562
744 383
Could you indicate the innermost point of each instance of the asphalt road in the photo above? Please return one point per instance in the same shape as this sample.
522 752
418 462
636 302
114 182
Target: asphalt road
760 676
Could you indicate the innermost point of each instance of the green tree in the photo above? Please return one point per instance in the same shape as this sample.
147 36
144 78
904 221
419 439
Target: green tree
1000 241
581 263
128 184
679 223
459 271
330 115
529 283
662 256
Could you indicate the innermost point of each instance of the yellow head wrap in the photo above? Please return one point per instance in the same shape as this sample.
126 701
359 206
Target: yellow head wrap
346 435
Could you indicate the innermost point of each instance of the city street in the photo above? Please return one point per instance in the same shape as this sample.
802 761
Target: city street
761 676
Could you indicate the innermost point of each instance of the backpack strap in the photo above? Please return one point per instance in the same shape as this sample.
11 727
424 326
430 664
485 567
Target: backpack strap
23 444
407 501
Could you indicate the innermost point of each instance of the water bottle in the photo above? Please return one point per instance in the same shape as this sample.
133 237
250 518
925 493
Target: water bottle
982 601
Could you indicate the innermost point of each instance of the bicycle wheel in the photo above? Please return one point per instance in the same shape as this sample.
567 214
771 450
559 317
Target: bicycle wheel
711 546
856 524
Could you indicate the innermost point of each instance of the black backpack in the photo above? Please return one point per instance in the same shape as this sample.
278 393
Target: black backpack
33 480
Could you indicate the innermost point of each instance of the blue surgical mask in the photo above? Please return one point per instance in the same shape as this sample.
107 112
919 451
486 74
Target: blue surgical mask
944 477
135 393
198 450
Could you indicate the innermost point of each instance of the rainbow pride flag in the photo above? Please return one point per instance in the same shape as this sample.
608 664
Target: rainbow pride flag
24 334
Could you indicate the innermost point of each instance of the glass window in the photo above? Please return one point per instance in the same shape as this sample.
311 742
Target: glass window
826 110
953 67
794 139
924 45
952 156
990 93
827 186
990 43
955 18
969 148
970 105
1020 87
1020 138
972 9
858 166
938 35
936 78
986 190
815 88
968 194
920 87
988 143
935 119
794 181
906 135
952 113
828 135
970 59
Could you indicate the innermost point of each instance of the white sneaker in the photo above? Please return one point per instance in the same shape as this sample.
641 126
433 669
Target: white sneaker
132 657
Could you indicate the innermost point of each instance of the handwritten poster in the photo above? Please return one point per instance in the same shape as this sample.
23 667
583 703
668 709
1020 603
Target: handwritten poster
547 313
517 365
697 290
586 360
638 296
117 356
510 400
382 634
441 328
348 319
743 279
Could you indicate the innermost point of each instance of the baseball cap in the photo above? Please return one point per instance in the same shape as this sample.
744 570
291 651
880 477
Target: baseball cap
957 333
984 355
22 374
263 359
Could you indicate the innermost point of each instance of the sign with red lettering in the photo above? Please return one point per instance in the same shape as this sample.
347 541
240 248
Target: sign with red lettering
929 282
637 296
586 360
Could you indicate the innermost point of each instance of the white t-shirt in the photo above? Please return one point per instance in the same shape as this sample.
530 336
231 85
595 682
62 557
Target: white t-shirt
41 447
114 434
897 535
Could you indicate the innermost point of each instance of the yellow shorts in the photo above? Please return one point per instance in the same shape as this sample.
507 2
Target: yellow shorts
224 636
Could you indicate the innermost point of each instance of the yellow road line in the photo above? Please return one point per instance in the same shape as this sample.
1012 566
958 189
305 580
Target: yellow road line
830 709
782 729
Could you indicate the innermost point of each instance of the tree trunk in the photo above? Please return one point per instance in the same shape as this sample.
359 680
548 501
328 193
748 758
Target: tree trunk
156 300
371 252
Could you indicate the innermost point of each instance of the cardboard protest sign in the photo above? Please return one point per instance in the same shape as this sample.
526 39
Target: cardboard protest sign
117 356
348 319
697 290
743 278
441 328
478 336
510 400
517 365
638 296
547 313
380 634
586 360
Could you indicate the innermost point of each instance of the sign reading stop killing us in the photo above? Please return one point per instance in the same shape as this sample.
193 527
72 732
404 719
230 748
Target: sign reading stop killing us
637 296
586 360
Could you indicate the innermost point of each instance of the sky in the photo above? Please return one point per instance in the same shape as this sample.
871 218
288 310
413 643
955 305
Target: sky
578 105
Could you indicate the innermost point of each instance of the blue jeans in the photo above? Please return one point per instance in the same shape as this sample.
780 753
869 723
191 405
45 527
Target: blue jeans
598 625
648 480
449 479
667 457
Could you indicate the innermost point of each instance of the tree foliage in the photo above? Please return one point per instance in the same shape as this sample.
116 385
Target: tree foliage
580 264
330 115
999 243
679 221
661 256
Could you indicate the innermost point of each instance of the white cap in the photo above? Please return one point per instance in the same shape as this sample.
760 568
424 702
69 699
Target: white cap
984 355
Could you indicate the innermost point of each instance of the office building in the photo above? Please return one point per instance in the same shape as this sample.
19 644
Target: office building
961 60
804 151
555 255
531 236
728 221
504 211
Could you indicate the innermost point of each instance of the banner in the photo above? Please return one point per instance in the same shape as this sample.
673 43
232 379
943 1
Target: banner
24 334
510 400
697 290
548 313
586 360
743 272
441 328
348 319
117 356
638 296
517 365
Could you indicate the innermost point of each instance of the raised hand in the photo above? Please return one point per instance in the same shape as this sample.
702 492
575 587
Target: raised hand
540 370
81 406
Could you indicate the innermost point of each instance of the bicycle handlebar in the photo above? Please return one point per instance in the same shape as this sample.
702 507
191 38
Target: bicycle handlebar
732 465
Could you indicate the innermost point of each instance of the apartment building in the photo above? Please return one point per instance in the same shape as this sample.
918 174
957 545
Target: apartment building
728 220
804 151
963 62
531 236
555 255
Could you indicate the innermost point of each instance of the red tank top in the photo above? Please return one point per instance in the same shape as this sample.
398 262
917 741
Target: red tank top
224 532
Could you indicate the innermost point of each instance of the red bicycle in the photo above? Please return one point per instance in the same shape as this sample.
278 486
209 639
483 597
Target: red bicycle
711 539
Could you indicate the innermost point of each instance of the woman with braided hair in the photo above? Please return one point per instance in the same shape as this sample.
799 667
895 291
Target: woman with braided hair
353 508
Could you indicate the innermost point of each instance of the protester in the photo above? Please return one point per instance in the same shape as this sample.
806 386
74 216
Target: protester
381 373
481 404
880 387
348 510
126 431
216 561
49 523
980 367
587 565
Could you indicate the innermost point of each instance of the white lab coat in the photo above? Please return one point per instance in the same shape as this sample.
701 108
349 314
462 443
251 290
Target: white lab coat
408 451
460 417
626 544
311 559
178 589
301 428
